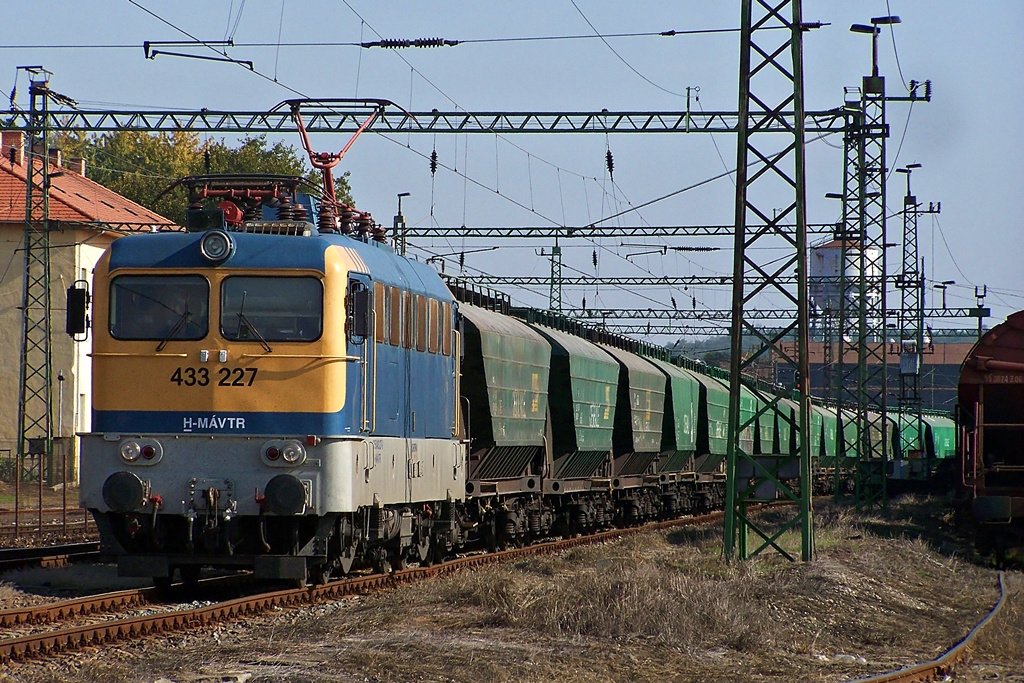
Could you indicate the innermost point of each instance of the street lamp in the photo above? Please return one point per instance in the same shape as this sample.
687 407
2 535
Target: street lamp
874 31
943 286
399 226
907 170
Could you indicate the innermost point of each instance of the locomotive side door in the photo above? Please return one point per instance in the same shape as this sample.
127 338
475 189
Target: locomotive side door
359 330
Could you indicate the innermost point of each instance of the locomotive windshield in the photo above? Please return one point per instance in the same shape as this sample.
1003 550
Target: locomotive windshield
271 308
159 307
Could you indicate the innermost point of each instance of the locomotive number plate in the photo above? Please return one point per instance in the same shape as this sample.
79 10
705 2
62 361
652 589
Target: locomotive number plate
224 377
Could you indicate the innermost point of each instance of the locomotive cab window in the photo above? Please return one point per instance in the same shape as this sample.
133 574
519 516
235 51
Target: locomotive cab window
254 308
159 307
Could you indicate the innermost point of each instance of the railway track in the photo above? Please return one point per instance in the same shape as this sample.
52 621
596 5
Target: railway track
942 667
49 630
48 556
48 521
57 637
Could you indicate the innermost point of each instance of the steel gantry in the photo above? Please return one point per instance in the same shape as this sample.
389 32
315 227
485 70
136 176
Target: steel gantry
337 117
769 172
594 231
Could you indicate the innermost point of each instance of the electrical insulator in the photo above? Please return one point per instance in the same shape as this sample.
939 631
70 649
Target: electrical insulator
673 302
462 260
433 162
610 163
694 303
595 258
584 303
928 91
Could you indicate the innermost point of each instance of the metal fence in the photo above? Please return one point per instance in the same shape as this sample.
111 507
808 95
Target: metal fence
39 495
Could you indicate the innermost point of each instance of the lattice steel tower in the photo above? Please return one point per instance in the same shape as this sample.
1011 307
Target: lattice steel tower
769 171
35 396
911 281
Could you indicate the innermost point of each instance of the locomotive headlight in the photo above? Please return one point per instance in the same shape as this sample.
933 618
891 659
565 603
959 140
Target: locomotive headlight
130 451
293 452
283 453
216 246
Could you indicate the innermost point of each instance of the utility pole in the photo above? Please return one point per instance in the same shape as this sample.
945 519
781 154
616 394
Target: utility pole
771 83
555 292
864 219
35 396
911 282
981 312
399 230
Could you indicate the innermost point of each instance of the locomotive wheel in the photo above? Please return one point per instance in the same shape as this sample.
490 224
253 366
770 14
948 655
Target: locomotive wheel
318 576
425 552
190 575
381 563
347 559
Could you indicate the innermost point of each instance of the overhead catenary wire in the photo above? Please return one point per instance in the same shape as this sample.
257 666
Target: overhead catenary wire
427 80
391 43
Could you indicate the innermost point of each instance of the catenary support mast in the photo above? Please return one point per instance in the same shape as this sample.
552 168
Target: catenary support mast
769 171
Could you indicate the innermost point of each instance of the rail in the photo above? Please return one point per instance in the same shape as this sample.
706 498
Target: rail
944 665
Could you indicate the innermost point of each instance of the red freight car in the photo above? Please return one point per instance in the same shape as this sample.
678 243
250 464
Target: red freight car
991 417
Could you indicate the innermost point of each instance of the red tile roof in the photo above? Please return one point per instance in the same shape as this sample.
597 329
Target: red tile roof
72 198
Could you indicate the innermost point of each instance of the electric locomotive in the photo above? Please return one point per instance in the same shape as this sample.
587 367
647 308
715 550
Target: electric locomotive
270 395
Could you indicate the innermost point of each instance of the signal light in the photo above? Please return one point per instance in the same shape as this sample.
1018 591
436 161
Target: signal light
273 453
148 452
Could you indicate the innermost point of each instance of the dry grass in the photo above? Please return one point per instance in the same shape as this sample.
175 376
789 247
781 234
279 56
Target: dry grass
653 607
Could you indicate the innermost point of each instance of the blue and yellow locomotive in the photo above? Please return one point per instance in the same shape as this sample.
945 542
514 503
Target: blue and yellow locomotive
266 394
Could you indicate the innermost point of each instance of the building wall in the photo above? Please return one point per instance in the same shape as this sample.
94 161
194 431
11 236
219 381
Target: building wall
940 373
73 256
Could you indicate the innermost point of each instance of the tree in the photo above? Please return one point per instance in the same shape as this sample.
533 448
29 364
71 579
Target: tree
141 166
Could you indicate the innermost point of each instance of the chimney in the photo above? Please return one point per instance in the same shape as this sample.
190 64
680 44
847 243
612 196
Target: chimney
56 158
77 165
13 143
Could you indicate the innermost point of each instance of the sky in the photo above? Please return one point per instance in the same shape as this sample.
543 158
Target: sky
967 139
